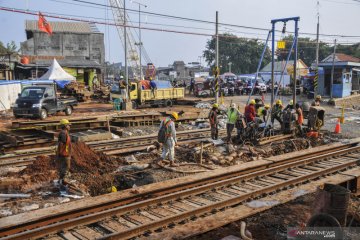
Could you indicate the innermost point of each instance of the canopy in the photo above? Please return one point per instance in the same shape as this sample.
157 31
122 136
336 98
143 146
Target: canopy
56 72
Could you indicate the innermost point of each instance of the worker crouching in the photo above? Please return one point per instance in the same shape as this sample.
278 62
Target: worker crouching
276 113
167 136
63 153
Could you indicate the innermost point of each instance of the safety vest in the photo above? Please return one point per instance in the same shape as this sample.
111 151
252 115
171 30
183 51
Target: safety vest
300 116
213 117
232 116
64 148
167 122
260 111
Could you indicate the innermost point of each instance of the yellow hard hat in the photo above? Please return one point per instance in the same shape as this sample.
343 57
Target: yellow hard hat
252 101
175 115
215 105
267 106
291 102
318 97
279 102
64 122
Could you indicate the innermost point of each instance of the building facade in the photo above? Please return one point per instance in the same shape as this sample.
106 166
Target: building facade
346 75
78 47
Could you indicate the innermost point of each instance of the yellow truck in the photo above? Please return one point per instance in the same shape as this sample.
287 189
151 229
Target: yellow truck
139 97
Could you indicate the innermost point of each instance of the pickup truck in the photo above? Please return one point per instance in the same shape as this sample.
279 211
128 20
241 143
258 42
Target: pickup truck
139 97
39 101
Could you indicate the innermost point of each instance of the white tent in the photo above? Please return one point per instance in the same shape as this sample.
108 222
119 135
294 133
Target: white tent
56 72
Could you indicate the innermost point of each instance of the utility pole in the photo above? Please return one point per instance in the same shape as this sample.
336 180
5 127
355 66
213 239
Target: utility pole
125 46
332 71
317 35
140 44
295 61
217 56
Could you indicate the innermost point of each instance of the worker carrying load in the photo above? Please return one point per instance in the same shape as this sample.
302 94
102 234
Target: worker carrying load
167 136
214 121
276 112
317 101
63 153
250 112
232 115
262 112
290 106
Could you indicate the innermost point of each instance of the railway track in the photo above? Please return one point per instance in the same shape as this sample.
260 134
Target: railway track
152 211
109 147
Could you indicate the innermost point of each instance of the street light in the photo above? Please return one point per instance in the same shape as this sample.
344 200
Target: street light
140 43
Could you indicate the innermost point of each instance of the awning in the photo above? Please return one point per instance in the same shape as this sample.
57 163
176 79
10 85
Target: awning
356 69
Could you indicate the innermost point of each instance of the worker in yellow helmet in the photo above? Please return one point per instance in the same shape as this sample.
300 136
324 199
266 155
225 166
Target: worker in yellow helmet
232 116
167 126
276 112
290 105
214 121
263 111
63 153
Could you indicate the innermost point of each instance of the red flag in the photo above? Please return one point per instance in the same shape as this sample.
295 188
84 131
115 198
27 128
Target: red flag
44 25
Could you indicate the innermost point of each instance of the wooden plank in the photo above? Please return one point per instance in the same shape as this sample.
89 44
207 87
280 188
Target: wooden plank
113 226
234 214
87 233
67 236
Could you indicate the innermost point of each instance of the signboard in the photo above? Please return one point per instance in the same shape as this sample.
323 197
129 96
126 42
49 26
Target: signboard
281 44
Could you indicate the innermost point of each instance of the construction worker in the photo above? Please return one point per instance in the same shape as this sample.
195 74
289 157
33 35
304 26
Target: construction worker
290 105
277 112
153 86
63 153
250 112
232 115
213 119
317 101
300 119
262 112
170 141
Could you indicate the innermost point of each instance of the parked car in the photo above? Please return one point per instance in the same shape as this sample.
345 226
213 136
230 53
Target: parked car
260 86
40 101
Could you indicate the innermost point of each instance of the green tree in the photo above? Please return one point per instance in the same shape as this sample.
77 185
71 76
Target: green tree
244 54
9 48
306 50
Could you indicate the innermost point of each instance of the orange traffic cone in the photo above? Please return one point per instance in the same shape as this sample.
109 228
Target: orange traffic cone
338 127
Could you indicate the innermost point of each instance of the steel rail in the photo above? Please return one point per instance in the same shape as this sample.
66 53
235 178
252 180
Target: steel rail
86 217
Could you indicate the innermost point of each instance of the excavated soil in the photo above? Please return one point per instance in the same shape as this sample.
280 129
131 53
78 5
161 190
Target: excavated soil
88 168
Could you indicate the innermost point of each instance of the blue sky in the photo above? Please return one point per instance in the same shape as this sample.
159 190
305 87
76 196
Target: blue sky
336 17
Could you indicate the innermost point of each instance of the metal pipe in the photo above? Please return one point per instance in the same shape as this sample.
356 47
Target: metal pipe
125 46
332 71
259 65
272 61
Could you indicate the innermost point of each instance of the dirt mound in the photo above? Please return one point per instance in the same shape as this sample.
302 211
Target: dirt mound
85 160
42 170
91 169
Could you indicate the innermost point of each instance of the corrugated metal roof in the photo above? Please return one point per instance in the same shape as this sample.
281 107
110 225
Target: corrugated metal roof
73 27
341 57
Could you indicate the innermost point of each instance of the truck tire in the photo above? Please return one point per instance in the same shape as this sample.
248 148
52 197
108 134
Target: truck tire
168 103
43 114
68 110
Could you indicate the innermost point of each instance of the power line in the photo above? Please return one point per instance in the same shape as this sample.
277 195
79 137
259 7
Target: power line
35 13
206 21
